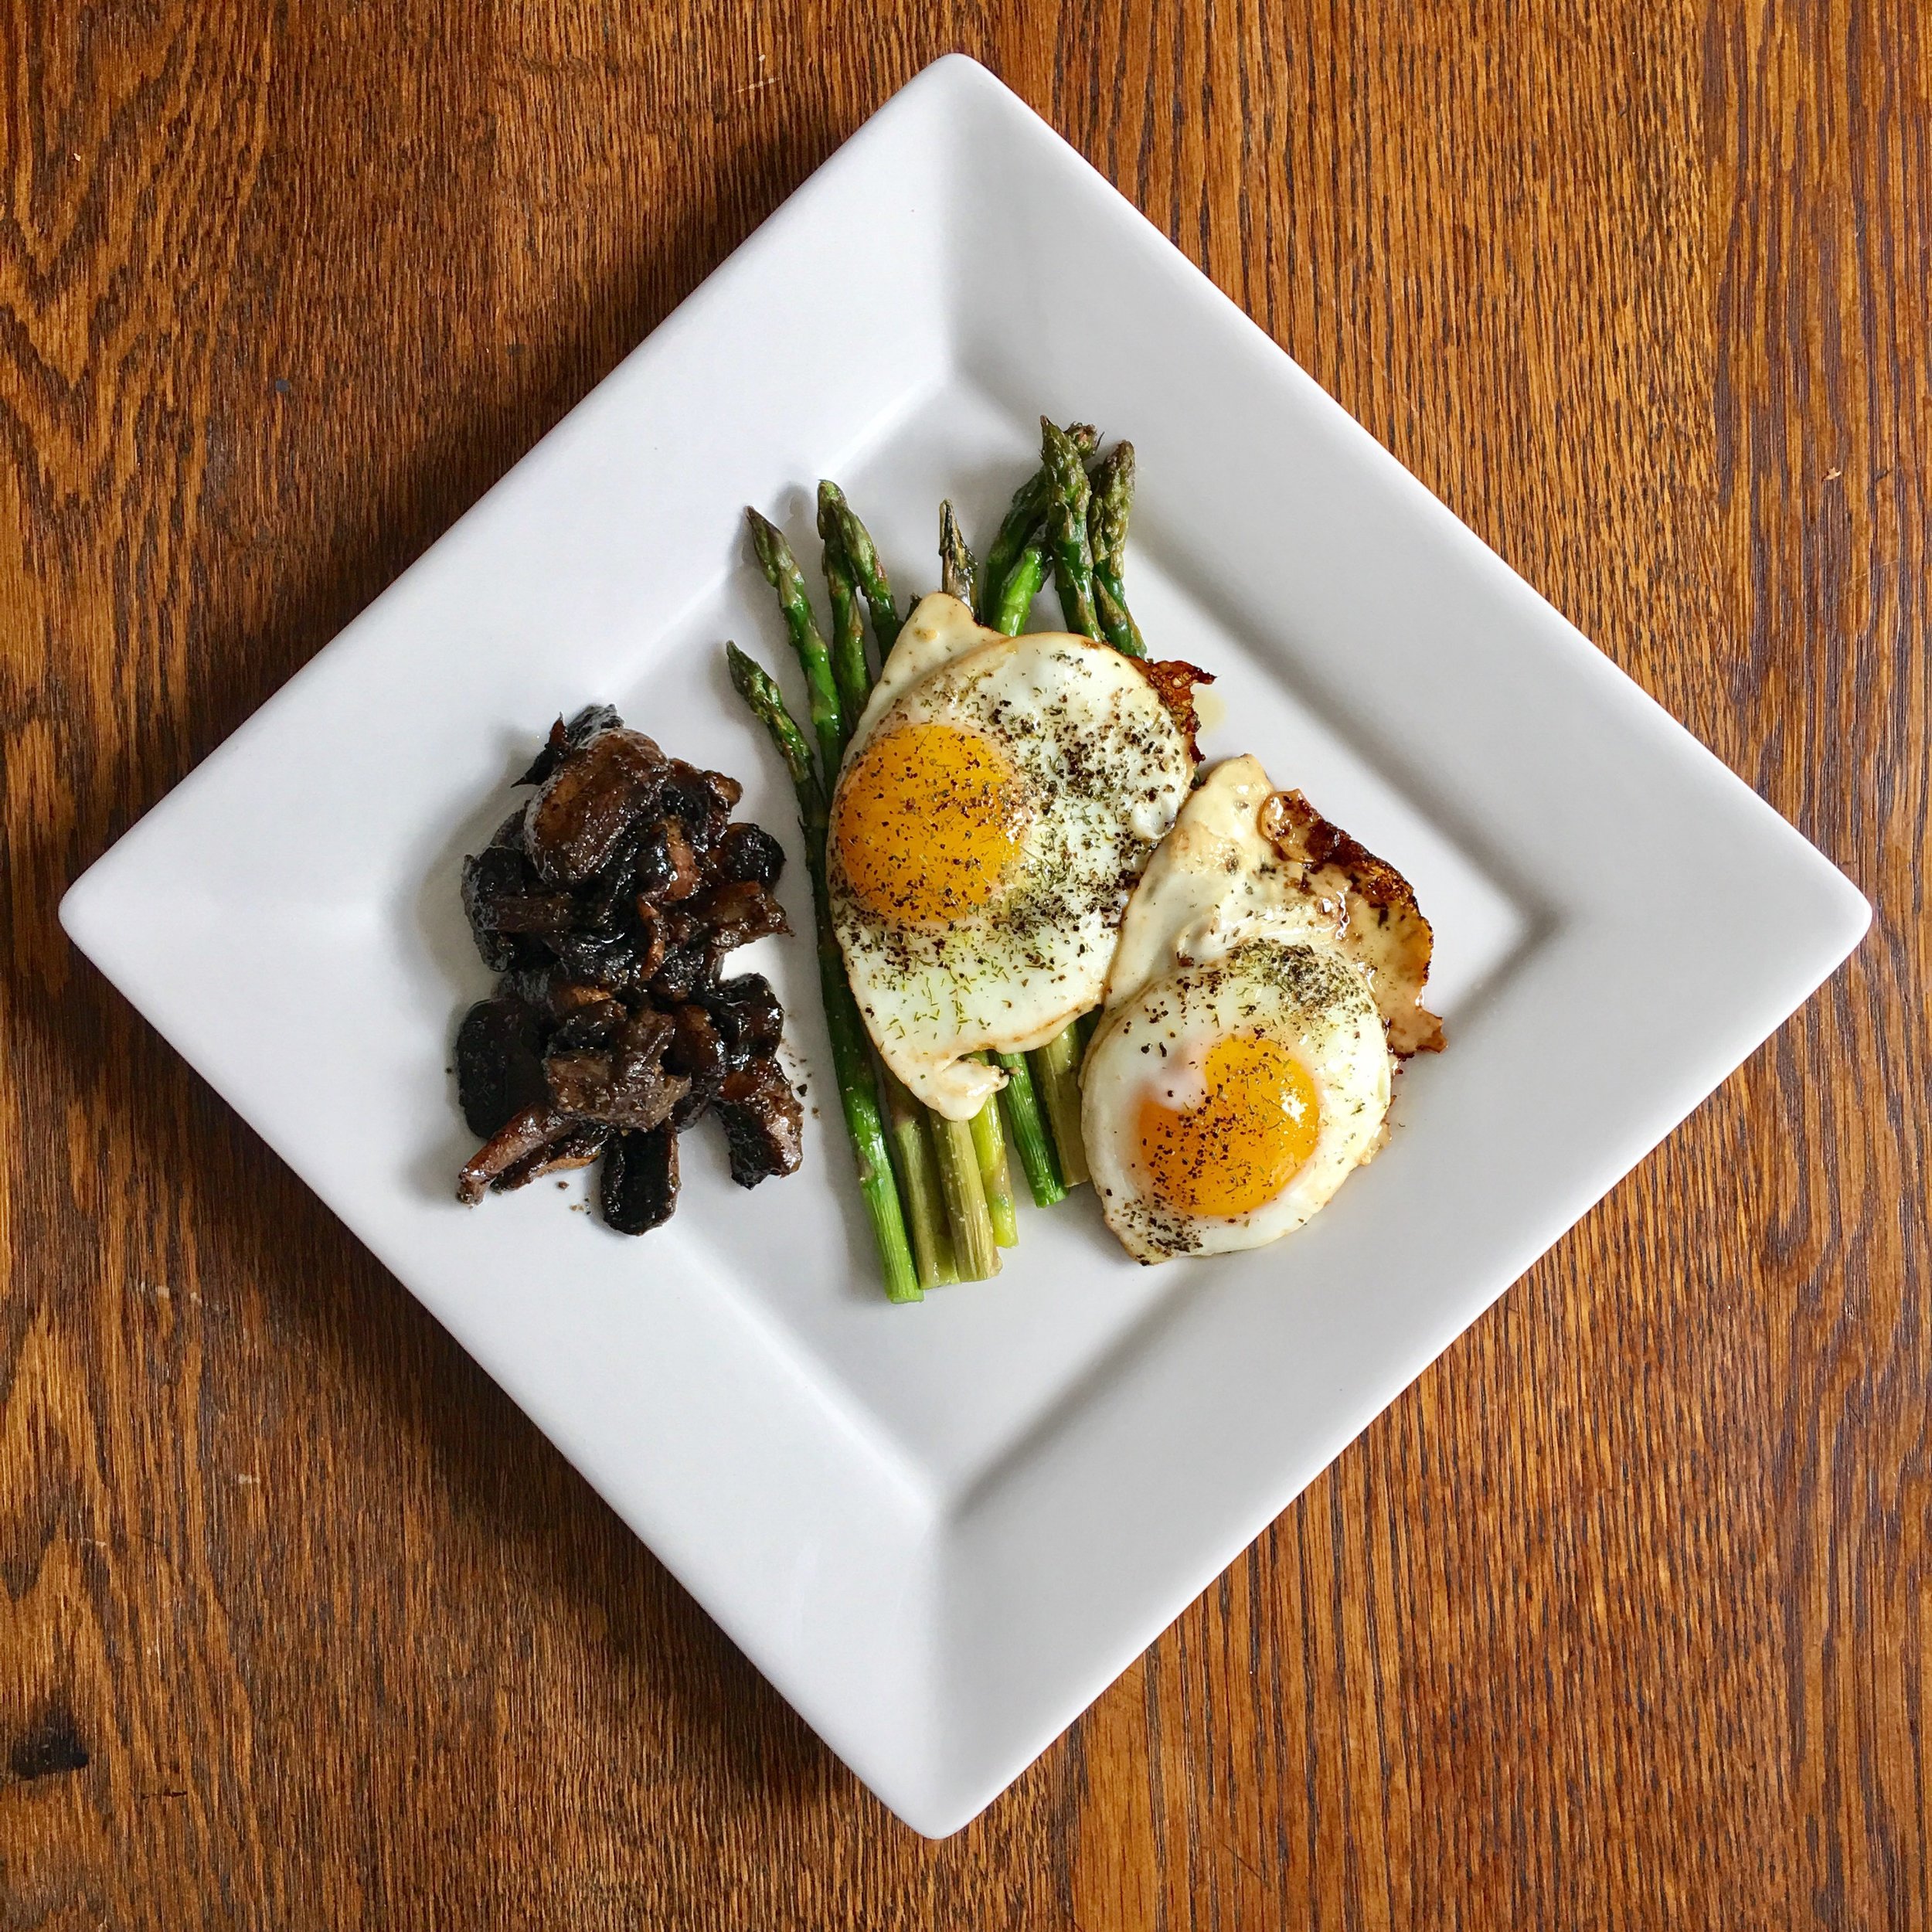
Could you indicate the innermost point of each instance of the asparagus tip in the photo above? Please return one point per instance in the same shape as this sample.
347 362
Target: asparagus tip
745 673
766 539
831 499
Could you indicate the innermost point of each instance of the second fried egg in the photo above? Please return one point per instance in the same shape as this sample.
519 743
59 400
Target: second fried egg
1269 975
1224 1105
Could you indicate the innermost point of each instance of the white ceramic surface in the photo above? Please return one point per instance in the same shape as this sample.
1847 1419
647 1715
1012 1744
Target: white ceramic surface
941 1530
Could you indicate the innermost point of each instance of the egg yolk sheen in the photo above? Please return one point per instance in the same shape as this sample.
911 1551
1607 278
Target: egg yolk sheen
1237 1151
928 822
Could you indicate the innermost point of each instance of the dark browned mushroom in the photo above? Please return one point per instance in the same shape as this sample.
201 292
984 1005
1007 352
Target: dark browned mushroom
762 1122
608 905
625 1085
697 1052
519 1137
544 913
703 801
749 851
499 1066
738 911
640 1182
749 1019
585 807
685 972
493 875
577 1148
667 868
564 739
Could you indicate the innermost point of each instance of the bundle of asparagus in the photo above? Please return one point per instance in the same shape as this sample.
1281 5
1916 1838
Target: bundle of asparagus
938 1191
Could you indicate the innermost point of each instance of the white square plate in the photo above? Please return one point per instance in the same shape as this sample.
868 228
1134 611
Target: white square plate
941 1530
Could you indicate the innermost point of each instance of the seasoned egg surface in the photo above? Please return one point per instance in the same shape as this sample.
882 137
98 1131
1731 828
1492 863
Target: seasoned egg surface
1215 881
1268 972
996 805
1224 1105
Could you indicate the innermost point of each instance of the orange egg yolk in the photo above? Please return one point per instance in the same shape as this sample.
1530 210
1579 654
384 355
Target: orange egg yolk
927 824
1237 1151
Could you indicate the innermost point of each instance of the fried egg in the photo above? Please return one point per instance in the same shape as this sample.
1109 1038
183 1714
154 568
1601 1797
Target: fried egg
1268 973
999 800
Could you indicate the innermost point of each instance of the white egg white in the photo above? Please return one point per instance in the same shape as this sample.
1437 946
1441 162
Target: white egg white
1103 769
1307 998
1215 881
1222 936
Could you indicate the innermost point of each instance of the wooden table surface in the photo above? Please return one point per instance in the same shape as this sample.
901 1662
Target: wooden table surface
1618 1617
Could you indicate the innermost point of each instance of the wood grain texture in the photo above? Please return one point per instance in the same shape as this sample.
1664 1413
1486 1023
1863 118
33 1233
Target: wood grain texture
1618 1618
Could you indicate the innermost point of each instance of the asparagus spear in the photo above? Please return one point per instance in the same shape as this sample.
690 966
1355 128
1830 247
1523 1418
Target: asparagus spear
1111 481
1116 621
858 1091
996 1180
1032 1139
958 570
974 1248
1112 487
1066 531
867 571
1019 532
912 1150
1057 1075
849 670
781 571
1016 595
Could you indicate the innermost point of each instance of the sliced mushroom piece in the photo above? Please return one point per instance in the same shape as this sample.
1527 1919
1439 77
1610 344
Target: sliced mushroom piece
626 1085
653 939
563 997
749 1019
519 1137
696 1048
565 739
704 800
577 1148
639 1188
749 852
599 962
591 1023
497 873
609 900
499 1066
686 972
697 1052
738 912
616 1091
543 915
586 806
534 979
762 1121
667 867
